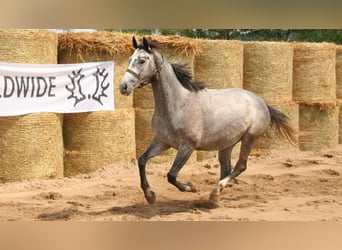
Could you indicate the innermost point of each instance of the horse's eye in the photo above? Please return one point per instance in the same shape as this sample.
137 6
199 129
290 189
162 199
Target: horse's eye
142 61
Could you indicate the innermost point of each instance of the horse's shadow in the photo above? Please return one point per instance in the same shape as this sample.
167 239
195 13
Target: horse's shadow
140 211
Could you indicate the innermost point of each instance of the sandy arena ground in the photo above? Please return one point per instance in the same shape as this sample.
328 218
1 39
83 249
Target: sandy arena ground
280 186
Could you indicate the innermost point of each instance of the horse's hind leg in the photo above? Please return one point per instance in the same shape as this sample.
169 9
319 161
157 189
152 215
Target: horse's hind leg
224 157
155 148
183 154
247 143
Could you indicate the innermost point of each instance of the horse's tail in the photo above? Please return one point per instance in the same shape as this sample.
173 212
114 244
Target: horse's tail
283 126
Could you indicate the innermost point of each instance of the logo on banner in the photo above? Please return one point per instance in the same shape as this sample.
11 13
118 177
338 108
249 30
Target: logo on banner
62 88
75 87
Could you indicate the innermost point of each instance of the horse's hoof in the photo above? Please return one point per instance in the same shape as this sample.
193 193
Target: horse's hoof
214 199
191 188
150 197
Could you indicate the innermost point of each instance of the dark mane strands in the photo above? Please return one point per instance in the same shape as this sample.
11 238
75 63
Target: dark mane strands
184 76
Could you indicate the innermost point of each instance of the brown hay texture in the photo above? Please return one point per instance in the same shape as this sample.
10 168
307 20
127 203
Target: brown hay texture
220 63
271 140
144 136
28 46
31 146
339 71
320 125
95 139
267 69
314 78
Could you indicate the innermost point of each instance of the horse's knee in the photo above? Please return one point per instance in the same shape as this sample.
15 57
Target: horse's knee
241 166
142 160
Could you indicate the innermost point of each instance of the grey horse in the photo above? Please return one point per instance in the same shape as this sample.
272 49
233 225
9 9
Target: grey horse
190 117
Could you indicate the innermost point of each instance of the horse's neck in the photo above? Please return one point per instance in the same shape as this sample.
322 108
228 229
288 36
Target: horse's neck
169 95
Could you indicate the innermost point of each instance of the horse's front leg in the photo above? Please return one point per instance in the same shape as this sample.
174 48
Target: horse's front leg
154 149
183 154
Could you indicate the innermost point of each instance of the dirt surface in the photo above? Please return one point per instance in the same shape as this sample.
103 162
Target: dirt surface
280 186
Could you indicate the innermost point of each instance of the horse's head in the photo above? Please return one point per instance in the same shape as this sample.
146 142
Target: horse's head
141 67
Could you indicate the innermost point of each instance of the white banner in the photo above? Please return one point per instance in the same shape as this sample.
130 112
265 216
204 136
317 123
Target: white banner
59 88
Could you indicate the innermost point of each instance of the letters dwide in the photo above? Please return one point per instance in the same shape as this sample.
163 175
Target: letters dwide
29 86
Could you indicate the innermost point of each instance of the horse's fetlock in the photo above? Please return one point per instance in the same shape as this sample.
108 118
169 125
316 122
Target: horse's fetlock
171 178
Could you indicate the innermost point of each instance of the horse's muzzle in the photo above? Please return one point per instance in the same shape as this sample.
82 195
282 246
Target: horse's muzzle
124 89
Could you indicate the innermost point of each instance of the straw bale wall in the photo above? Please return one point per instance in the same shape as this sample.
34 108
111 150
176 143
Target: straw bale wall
314 89
267 70
339 88
31 146
95 139
339 72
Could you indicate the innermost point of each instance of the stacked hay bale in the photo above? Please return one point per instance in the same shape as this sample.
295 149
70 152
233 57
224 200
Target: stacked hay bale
220 66
268 73
94 140
339 88
175 49
314 89
31 146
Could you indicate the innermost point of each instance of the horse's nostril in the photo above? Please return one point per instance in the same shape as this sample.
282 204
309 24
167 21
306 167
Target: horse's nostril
123 87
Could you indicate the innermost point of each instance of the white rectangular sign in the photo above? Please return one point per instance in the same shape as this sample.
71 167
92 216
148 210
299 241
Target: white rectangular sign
59 88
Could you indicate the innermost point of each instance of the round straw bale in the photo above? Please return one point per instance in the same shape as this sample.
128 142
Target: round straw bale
95 139
28 46
93 51
320 125
144 136
271 140
31 146
36 138
339 71
267 70
314 76
220 64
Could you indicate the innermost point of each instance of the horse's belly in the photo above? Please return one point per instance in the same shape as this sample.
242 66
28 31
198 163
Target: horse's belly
223 136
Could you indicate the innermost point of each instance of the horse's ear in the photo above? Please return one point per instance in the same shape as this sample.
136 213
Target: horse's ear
146 45
135 44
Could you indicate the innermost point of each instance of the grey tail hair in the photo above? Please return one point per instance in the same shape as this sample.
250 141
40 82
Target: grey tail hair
283 126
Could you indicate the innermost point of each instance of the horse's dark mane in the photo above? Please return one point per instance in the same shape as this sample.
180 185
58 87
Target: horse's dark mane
184 76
